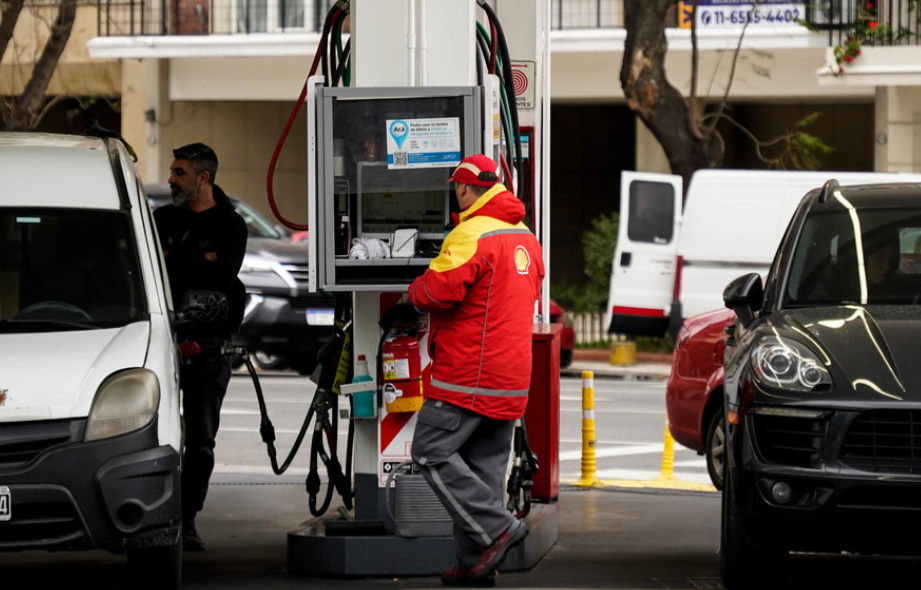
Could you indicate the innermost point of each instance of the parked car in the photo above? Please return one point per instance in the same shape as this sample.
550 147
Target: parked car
283 323
694 393
90 430
823 388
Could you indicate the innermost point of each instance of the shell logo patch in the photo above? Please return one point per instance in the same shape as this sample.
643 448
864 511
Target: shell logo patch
522 260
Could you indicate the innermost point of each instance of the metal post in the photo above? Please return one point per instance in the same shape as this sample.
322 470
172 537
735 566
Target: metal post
668 456
589 464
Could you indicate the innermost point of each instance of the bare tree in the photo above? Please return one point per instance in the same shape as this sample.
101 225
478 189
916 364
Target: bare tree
25 111
688 135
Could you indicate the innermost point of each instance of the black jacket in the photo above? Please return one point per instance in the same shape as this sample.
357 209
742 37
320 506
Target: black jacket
186 237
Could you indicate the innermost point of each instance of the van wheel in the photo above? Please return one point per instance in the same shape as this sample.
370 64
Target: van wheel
156 567
716 448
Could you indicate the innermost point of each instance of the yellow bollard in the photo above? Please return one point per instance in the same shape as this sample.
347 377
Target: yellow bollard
668 457
589 477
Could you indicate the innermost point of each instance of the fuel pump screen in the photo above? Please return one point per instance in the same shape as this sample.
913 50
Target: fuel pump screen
389 199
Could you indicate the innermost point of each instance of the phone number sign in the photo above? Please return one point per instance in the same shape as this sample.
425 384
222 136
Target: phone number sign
734 13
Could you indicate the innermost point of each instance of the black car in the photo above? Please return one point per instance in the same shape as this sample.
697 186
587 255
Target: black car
823 388
283 323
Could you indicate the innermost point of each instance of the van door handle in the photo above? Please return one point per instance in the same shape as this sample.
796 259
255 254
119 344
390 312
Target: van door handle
625 258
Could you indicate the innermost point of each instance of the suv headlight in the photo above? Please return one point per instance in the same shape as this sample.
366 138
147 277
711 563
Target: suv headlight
787 364
125 402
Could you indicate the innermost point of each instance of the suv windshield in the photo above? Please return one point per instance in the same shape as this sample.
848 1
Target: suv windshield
67 269
860 256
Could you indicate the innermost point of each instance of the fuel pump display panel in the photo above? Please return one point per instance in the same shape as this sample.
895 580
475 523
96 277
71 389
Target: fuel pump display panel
384 156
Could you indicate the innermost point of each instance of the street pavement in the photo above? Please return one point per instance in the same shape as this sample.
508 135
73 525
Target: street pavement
650 535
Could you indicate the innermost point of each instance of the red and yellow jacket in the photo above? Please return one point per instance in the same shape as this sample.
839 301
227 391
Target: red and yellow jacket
480 292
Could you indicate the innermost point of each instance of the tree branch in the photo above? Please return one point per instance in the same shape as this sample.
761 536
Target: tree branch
695 66
732 73
24 113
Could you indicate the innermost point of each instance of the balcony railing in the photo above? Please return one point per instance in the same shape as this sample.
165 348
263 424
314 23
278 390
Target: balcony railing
118 18
870 22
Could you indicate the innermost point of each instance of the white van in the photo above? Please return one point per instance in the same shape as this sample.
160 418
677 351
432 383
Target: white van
673 262
90 429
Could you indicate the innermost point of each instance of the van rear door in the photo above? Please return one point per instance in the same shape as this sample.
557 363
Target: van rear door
644 268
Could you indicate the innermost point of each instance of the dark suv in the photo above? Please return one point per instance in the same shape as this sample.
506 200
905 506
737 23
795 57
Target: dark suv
823 387
283 323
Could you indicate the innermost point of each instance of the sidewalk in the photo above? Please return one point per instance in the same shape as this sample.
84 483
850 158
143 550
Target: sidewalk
652 366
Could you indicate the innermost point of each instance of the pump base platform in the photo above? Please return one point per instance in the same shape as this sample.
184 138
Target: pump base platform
312 552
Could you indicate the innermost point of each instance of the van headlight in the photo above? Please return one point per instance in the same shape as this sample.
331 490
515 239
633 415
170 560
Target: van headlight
125 402
787 364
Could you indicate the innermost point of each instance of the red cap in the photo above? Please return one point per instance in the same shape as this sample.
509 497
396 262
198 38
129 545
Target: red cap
478 170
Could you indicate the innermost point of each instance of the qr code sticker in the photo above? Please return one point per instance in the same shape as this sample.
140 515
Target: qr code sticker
400 158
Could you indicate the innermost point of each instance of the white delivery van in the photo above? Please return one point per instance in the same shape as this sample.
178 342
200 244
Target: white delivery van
90 429
673 262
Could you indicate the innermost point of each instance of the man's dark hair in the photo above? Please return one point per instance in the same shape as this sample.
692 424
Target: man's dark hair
478 190
201 158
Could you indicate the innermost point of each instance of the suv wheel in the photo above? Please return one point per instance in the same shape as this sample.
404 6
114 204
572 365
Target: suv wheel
303 362
716 448
155 567
270 361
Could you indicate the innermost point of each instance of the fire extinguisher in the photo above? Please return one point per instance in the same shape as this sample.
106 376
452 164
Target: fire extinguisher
402 373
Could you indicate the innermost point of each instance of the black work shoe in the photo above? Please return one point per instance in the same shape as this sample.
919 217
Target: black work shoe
495 554
459 576
190 539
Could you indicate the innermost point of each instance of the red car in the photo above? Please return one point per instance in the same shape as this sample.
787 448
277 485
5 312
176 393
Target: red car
694 394
567 337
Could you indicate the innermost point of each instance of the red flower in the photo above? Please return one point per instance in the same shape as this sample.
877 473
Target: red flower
849 59
857 52
872 24
869 6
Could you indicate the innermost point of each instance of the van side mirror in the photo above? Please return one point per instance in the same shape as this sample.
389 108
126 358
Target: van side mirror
744 295
202 306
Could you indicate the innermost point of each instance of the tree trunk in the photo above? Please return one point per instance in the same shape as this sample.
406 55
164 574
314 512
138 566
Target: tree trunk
660 105
8 18
25 113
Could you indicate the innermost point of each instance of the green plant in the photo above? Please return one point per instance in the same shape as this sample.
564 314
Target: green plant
598 250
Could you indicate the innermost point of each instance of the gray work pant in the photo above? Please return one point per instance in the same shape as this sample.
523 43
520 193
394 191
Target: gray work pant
464 456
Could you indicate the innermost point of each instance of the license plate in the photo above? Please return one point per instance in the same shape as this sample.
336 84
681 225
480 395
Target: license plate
320 317
5 513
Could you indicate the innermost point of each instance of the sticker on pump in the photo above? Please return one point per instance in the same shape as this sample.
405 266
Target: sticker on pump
423 143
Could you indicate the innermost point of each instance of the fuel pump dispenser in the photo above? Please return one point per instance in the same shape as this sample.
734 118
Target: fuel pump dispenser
418 86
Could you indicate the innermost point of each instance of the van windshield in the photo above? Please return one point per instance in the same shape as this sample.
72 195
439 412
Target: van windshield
67 269
863 256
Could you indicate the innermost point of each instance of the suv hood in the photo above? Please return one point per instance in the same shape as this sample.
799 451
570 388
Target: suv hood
284 251
873 349
55 375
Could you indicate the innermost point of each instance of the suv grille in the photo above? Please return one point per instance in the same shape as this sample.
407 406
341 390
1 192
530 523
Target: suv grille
21 443
789 440
298 272
884 440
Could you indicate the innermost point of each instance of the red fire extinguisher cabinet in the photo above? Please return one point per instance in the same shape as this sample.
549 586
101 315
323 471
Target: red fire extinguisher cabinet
542 417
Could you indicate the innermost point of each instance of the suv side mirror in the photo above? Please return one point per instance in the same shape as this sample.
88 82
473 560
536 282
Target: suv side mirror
744 295
202 306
